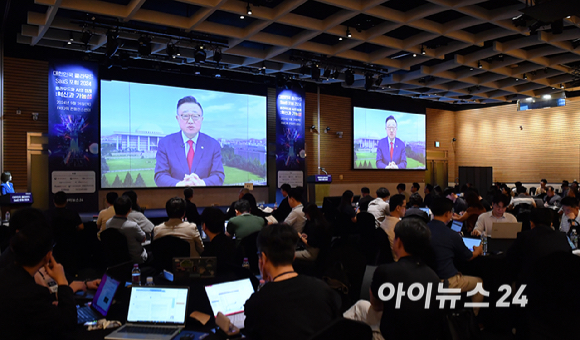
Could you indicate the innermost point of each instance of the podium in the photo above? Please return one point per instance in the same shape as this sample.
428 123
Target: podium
15 201
318 188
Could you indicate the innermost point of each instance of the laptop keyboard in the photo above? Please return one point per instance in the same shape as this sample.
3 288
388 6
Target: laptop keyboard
86 314
147 330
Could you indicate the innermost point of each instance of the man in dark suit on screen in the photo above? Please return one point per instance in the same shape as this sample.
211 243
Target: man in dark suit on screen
391 150
189 157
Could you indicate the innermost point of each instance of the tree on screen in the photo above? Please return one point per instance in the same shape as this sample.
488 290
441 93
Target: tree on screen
128 182
139 182
105 182
104 166
117 182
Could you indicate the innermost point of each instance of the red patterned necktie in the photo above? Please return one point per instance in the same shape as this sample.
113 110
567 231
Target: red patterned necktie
391 150
191 153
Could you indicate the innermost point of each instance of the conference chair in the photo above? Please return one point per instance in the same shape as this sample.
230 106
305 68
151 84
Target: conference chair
344 329
366 284
114 247
249 249
165 249
379 249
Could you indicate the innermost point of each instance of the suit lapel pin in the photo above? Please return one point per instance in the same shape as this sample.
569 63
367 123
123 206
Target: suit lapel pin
202 146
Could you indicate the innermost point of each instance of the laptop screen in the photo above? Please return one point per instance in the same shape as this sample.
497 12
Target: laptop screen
229 297
471 242
105 293
425 210
456 226
158 305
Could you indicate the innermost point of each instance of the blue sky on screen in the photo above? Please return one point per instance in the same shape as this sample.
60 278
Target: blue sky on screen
370 123
126 106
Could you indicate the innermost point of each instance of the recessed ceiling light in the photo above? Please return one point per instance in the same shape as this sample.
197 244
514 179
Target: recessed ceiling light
547 96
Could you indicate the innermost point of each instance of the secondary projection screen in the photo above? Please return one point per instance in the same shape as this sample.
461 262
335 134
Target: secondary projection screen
163 136
388 140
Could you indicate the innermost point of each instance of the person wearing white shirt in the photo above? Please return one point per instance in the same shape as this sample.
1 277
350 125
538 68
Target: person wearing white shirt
107 214
497 215
570 216
175 227
379 207
522 198
397 205
296 219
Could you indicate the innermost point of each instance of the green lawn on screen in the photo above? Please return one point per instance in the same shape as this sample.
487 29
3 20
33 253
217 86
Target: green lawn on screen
235 175
371 158
130 163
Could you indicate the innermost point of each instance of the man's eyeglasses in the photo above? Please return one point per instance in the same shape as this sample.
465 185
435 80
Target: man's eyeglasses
391 127
195 118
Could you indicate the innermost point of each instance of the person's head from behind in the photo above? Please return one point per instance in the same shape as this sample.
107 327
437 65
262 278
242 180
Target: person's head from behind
123 206
189 116
59 199
251 200
428 189
175 207
472 199
23 217
565 185
213 220
415 187
295 197
442 209
312 212
346 198
276 248
550 191
438 191
412 237
415 200
401 187
243 191
518 184
397 205
32 245
569 206
499 204
574 185
541 216
364 191
188 193
242 207
383 193
450 193
285 189
112 197
133 197
521 190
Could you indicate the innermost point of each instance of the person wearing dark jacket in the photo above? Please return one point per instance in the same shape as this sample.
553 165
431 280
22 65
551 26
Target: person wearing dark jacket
284 208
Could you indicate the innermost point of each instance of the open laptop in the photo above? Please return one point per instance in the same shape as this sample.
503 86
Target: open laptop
506 230
154 313
102 301
457 226
229 298
194 267
471 242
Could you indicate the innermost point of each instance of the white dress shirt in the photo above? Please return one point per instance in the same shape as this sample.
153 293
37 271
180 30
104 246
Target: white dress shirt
185 139
296 218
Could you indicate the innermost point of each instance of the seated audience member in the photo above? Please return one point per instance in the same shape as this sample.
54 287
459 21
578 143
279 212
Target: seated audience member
531 245
365 199
254 210
135 235
244 223
497 214
565 188
220 246
28 311
505 190
346 213
232 209
416 203
411 320
379 207
296 219
397 207
522 198
551 199
289 306
401 187
191 213
459 204
484 201
415 188
448 248
470 216
315 235
283 209
64 221
428 191
136 215
438 191
541 191
107 214
176 227
570 216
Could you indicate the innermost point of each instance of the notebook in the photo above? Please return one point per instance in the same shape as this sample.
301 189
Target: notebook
471 242
456 226
154 313
229 298
102 301
194 267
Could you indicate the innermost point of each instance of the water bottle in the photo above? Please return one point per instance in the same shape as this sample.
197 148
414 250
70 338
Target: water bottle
7 216
203 235
574 238
150 281
484 242
136 275
275 205
246 263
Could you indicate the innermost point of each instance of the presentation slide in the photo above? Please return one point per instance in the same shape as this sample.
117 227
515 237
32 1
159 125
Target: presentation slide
388 140
163 136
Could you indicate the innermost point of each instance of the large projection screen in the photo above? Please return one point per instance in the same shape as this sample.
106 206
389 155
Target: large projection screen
148 133
389 140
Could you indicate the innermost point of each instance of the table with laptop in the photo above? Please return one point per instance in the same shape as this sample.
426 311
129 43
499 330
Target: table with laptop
184 304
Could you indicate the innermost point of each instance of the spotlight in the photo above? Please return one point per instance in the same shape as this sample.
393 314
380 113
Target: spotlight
248 9
144 45
348 35
263 65
326 73
172 50
340 38
349 77
547 96
422 49
414 55
517 79
242 17
525 77
199 56
86 37
471 68
217 56
315 72
379 80
561 86
71 39
112 44
479 64
369 81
